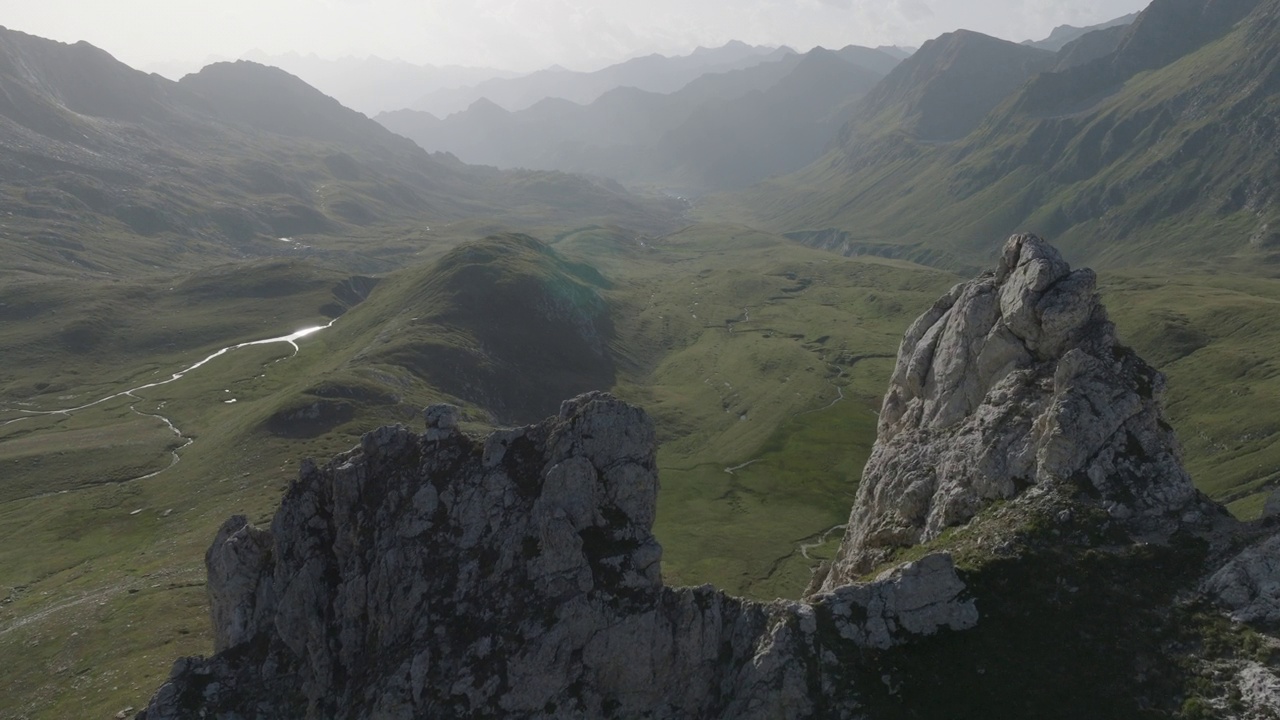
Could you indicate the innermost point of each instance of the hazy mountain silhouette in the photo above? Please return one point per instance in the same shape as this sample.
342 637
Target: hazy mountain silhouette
1165 147
654 73
945 89
1091 46
722 130
103 167
372 85
1064 34
268 98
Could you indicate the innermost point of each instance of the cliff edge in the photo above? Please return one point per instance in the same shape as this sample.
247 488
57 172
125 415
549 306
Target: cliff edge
1024 543
436 575
1012 381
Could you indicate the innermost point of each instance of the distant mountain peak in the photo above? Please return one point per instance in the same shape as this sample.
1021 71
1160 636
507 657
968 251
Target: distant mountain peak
271 99
650 73
733 47
1064 34
487 106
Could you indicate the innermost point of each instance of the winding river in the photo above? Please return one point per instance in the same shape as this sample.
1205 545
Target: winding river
291 339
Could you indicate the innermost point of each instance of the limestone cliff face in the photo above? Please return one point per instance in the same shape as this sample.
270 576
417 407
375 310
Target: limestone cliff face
1011 381
435 575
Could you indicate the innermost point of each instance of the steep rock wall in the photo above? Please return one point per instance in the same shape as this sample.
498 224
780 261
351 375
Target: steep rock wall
1014 380
516 576
435 575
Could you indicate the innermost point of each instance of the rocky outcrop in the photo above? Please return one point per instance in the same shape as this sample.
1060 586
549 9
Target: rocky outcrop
435 575
516 576
1013 380
1248 585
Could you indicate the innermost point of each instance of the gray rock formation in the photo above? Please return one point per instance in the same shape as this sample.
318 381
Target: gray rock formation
1259 693
1271 507
1248 585
1013 380
442 576
439 576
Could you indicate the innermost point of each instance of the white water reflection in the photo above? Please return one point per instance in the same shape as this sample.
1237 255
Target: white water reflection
291 339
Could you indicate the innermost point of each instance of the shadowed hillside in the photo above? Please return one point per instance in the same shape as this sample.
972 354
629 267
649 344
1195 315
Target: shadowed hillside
1163 148
104 169
503 323
723 130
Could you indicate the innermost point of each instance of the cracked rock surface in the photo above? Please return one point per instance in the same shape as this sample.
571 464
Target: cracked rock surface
1248 585
1012 380
435 575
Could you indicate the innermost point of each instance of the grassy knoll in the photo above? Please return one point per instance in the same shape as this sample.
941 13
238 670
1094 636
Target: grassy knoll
1215 337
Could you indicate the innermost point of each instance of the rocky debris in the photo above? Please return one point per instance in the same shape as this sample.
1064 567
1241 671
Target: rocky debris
1272 506
1248 585
436 575
917 597
1259 691
1010 381
441 421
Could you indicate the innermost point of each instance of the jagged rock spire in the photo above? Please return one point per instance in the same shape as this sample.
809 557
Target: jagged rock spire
438 575
1012 380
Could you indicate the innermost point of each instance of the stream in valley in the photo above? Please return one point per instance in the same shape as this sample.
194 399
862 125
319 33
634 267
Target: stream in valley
291 339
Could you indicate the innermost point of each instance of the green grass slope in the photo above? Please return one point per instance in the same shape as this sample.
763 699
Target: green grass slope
504 324
1215 338
1164 149
108 172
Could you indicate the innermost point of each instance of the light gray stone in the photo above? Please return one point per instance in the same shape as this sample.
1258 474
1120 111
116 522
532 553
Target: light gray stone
440 576
1248 585
1012 380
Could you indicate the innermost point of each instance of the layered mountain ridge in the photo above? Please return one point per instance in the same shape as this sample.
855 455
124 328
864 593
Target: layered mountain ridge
722 130
106 170
1153 135
430 574
371 84
650 73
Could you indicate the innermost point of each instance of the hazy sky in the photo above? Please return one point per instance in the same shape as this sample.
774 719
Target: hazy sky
523 34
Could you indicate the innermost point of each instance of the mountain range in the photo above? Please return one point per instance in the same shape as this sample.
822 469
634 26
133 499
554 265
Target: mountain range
372 85
722 130
652 73
1110 149
217 166
1064 34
